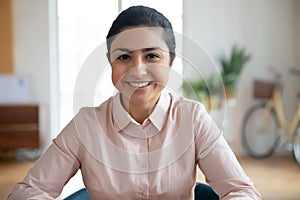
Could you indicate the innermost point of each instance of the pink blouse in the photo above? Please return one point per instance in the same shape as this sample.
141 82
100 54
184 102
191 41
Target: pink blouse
122 159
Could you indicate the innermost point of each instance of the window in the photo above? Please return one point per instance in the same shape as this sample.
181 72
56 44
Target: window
82 27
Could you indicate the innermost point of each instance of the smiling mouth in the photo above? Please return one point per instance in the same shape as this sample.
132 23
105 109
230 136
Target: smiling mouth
139 84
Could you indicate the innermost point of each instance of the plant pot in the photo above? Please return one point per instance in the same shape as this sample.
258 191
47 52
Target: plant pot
229 91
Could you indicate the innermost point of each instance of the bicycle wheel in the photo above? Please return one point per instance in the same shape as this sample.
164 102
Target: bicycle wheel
296 144
260 131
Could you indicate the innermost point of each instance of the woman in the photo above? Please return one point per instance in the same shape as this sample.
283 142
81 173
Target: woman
143 142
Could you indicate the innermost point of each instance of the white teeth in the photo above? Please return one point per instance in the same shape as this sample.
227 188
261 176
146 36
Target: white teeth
140 84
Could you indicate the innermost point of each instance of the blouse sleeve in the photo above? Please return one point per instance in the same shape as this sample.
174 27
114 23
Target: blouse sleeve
46 179
219 164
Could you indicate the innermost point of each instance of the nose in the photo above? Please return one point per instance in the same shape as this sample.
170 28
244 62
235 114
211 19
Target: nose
139 66
141 70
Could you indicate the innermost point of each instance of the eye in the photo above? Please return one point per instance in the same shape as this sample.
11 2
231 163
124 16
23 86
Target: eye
152 56
123 57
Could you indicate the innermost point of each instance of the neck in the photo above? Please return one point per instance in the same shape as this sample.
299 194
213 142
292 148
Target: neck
139 111
139 114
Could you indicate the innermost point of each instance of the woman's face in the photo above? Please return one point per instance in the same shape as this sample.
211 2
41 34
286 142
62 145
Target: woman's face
140 63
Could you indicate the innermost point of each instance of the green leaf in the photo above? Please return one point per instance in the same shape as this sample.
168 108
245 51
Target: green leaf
233 65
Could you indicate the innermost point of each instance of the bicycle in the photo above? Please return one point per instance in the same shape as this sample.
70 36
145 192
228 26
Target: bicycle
264 127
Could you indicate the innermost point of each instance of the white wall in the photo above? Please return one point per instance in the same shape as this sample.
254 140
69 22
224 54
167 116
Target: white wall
31 54
297 10
265 28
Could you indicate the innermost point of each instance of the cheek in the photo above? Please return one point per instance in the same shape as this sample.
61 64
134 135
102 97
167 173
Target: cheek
161 73
117 74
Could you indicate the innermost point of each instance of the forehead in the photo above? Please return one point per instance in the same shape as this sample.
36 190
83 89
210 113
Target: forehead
139 38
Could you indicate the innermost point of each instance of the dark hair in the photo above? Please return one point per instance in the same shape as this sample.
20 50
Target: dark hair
143 16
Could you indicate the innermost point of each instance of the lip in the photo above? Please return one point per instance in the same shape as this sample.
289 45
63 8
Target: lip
139 85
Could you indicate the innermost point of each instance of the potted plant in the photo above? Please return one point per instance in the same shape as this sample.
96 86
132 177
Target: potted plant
207 91
210 91
231 69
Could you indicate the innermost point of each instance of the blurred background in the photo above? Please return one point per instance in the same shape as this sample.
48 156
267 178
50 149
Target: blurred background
45 43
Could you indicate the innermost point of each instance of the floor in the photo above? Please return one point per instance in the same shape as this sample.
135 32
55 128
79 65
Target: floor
277 177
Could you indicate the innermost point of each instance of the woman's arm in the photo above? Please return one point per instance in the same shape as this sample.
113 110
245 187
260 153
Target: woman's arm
219 164
225 175
46 179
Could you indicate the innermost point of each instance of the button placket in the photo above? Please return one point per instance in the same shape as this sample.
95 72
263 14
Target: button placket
145 158
146 166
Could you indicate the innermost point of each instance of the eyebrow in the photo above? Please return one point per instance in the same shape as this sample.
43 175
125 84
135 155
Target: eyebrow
143 50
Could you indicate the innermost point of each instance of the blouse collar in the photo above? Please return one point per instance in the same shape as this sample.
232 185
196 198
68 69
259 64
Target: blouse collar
158 116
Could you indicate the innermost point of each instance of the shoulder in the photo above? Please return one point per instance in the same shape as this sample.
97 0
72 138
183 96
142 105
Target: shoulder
186 104
190 111
90 112
89 119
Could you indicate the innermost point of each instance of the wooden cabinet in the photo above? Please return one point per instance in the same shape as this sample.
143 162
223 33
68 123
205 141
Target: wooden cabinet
6 37
19 126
